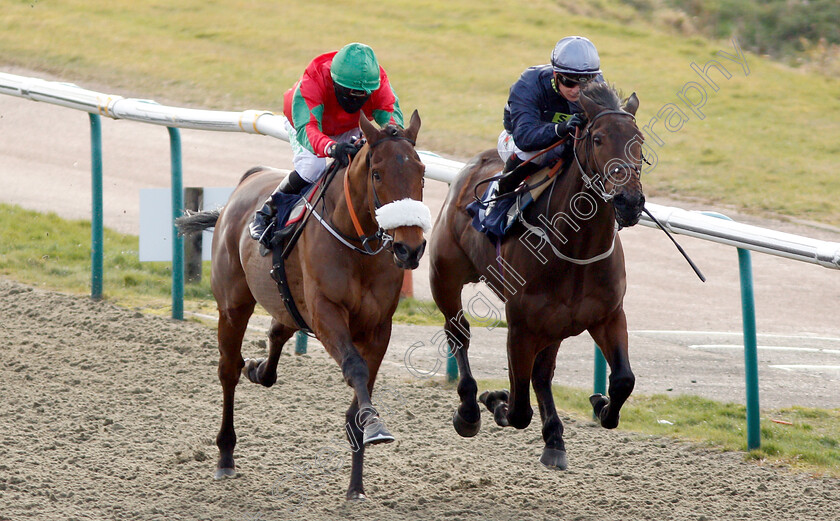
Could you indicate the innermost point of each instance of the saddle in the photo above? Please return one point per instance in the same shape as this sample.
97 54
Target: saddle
507 211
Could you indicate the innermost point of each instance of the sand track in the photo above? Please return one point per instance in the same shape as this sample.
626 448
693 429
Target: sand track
111 414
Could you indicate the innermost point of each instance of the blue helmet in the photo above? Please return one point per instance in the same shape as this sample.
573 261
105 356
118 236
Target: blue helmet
575 55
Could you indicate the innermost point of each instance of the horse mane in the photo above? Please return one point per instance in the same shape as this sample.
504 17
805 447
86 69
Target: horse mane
604 95
249 173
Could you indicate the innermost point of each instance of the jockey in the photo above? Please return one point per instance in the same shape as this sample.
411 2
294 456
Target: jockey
542 109
322 113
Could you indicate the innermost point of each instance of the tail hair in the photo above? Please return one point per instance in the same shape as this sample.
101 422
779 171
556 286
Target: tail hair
193 222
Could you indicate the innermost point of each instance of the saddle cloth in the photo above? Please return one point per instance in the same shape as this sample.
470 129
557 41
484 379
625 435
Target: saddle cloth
506 212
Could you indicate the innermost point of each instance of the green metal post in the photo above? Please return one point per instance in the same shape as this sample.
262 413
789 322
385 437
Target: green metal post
451 366
300 343
177 211
750 344
96 226
750 349
600 380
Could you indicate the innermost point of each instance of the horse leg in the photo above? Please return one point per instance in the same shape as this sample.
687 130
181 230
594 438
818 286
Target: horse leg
337 341
357 432
514 407
355 435
232 325
263 371
447 296
611 337
554 453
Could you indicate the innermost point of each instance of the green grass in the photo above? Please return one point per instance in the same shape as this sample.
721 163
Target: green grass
53 253
426 313
768 141
810 444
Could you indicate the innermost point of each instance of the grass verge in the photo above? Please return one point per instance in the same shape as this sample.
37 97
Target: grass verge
807 439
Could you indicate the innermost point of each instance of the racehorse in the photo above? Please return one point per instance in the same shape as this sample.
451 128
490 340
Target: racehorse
559 272
342 278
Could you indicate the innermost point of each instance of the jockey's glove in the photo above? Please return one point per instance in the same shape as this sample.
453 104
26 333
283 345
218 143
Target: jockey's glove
564 128
343 152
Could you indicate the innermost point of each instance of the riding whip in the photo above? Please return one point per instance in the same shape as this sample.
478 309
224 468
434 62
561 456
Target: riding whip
684 254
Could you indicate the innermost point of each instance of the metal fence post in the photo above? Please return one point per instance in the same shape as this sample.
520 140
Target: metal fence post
300 343
96 225
750 344
750 349
600 379
177 211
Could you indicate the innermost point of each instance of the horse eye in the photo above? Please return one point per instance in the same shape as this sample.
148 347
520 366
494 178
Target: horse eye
597 140
376 175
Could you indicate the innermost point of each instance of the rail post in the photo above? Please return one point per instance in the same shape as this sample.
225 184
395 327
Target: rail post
177 211
451 365
750 343
300 343
600 379
96 225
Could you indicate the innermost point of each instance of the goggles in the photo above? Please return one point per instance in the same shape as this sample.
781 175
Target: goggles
573 80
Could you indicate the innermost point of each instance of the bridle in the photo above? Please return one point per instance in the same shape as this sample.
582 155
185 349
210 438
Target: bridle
594 180
381 235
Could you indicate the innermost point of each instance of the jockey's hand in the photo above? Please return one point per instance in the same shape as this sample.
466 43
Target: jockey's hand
570 125
343 152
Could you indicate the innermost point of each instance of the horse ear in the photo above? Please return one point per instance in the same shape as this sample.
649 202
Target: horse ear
631 104
368 128
589 107
413 126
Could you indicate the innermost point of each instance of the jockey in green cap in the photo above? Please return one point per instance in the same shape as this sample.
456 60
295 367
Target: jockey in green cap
322 112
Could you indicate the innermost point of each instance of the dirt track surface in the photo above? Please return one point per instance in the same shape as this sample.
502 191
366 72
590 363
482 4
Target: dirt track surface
111 414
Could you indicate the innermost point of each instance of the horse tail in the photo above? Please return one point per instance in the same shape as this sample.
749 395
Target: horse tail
193 222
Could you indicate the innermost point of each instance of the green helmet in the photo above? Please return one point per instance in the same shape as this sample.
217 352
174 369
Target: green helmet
355 67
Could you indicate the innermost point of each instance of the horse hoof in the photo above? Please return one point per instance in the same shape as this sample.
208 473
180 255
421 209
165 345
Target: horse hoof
376 433
464 428
600 408
249 369
598 401
224 473
554 459
356 496
483 397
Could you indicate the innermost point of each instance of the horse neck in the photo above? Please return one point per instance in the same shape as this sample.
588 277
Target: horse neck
570 211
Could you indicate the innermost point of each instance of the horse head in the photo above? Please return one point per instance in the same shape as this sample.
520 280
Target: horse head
611 152
395 188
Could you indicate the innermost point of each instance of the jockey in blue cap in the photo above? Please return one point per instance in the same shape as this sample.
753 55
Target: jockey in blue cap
543 108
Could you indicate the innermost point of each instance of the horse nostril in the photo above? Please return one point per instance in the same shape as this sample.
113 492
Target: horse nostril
401 251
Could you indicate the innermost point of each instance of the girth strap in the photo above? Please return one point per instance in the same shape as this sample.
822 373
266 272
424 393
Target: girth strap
278 274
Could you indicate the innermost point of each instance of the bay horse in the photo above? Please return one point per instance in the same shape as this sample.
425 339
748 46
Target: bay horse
346 294
559 272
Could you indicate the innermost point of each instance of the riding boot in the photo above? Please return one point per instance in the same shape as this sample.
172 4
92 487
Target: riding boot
291 184
514 173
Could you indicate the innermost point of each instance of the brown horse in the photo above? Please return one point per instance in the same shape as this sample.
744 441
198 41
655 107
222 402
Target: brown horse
559 273
347 294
